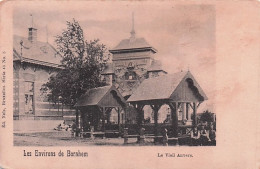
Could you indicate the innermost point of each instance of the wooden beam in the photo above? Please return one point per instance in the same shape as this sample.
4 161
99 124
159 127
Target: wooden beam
174 108
187 111
103 118
77 121
118 111
194 114
184 111
156 122
139 109
179 104
199 104
156 108
190 106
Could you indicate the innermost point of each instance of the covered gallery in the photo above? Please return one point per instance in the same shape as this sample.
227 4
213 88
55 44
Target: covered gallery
180 91
95 106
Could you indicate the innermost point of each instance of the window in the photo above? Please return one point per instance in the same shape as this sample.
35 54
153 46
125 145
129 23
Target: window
130 75
29 97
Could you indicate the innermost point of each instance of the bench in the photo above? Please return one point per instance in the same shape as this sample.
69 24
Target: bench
92 134
141 137
112 133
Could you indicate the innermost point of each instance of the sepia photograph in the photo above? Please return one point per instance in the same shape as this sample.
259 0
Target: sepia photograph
130 84
79 82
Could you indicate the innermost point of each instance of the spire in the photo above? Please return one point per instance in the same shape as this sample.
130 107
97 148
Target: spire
32 20
133 27
32 34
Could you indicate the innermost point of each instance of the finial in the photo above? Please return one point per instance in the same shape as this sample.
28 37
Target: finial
133 26
188 67
32 19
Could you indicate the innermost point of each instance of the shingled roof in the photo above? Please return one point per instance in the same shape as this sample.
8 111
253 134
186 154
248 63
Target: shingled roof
36 52
164 87
97 97
133 43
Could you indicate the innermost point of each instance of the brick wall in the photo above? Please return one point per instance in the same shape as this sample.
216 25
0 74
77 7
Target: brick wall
25 75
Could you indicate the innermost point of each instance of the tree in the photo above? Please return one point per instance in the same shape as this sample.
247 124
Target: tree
207 116
82 62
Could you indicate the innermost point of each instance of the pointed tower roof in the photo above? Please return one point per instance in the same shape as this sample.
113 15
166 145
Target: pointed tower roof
136 44
133 44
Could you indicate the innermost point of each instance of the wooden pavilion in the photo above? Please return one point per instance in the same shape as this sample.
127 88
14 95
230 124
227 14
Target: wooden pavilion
95 107
176 90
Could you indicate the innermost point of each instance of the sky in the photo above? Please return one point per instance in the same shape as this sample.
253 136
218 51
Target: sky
184 35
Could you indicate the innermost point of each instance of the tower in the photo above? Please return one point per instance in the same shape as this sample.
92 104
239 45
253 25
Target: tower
32 34
132 58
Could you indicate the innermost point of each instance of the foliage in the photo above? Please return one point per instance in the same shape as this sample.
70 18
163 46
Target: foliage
82 62
207 116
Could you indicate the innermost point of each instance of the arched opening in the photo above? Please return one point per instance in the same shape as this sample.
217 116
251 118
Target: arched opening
164 114
148 115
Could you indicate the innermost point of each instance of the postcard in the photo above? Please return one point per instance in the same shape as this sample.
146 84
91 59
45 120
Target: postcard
130 84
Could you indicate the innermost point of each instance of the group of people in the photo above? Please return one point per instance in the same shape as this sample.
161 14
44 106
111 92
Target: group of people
203 137
71 127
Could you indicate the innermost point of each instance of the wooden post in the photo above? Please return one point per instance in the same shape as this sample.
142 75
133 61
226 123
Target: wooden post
155 122
108 115
139 109
155 109
142 136
125 135
187 111
118 120
184 111
77 122
165 137
103 119
194 114
174 107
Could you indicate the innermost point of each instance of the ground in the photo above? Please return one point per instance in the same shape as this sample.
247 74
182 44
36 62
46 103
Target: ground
64 138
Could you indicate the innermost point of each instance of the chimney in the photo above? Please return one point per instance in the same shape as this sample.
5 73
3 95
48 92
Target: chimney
32 36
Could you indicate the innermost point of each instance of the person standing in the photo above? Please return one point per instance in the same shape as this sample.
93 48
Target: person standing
73 128
212 136
195 137
204 138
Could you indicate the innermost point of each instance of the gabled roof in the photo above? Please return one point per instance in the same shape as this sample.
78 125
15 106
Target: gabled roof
35 52
163 87
133 43
97 97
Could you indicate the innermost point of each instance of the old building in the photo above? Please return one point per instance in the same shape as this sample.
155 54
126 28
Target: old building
133 64
33 63
133 61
